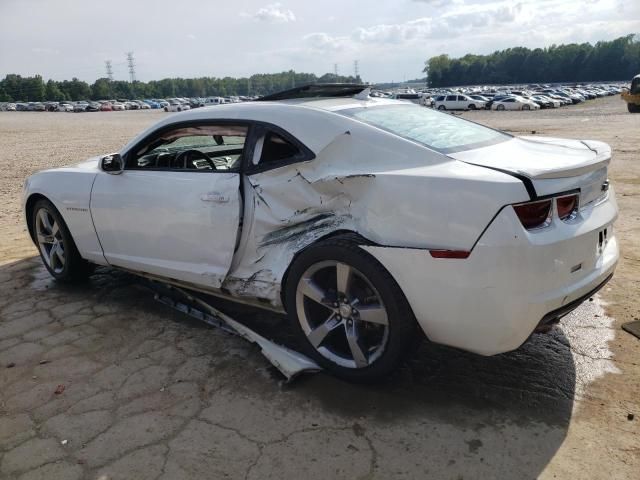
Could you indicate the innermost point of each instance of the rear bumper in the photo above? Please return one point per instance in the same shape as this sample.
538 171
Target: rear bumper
513 280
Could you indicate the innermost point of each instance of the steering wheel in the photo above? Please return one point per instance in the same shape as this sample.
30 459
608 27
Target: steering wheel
182 157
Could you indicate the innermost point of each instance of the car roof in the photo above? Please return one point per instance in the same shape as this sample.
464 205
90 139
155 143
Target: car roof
311 120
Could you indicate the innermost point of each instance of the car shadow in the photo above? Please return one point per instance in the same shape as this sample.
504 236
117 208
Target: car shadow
504 416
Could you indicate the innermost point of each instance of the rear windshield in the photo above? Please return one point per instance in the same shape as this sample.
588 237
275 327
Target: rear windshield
439 131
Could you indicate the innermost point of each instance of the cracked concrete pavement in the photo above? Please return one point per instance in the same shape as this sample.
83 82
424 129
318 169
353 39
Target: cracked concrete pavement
152 394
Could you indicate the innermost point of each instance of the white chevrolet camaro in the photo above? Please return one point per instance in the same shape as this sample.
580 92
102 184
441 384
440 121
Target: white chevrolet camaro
363 219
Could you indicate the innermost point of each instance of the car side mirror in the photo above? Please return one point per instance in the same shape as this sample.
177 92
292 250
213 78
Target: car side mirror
113 164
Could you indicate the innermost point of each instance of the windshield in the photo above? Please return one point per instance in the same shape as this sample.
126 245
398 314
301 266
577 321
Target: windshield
439 131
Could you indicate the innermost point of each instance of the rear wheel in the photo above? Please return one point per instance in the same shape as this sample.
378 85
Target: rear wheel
350 314
633 108
57 249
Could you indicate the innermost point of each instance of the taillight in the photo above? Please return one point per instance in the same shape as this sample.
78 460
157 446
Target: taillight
534 214
567 206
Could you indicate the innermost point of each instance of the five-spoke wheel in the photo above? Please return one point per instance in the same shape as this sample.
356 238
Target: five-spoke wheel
55 244
50 241
351 315
342 314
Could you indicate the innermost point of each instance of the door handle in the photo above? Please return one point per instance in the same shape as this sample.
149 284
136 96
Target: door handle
214 197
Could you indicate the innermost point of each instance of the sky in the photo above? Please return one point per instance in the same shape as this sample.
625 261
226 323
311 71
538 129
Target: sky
390 39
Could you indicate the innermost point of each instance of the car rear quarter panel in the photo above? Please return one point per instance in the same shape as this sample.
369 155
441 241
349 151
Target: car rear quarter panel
391 191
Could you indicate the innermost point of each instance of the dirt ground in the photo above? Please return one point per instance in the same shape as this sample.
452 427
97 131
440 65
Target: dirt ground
151 394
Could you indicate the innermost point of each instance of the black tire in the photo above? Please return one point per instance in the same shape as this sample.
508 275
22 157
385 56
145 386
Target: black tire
402 332
526 107
472 106
441 107
500 107
633 108
75 267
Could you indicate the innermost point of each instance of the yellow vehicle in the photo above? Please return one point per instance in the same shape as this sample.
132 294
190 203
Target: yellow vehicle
632 97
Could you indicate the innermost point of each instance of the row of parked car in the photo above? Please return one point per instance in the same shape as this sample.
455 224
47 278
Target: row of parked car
177 104
530 97
523 98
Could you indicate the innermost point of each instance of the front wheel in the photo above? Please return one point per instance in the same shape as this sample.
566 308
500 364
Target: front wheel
633 108
526 107
472 106
500 107
441 107
350 314
55 244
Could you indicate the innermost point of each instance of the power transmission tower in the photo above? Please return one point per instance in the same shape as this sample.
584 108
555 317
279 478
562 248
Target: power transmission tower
356 71
109 68
132 67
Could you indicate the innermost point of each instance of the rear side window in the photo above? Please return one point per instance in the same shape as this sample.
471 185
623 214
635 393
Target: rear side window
451 98
275 148
439 131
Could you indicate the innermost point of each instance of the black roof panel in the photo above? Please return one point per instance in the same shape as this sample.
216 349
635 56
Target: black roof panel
317 90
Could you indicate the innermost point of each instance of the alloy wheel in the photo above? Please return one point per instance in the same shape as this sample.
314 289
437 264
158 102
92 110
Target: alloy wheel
342 314
50 240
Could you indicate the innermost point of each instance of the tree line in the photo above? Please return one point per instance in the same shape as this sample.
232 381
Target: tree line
617 59
15 88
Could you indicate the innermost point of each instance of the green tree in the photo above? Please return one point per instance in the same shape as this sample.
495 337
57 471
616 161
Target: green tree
53 92
618 59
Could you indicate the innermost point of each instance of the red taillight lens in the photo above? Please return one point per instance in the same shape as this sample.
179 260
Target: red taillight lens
567 206
533 214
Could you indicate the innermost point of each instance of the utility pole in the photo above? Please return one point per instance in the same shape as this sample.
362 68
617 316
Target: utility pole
132 67
109 68
335 70
356 71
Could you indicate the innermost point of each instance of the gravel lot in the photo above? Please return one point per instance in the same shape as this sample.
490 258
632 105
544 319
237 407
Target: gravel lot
149 393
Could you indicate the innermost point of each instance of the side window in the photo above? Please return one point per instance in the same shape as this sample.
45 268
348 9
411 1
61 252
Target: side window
451 98
193 147
273 148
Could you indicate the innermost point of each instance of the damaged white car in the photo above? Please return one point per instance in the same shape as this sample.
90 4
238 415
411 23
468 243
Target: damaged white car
364 219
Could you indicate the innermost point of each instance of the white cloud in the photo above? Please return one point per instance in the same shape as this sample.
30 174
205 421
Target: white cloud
275 13
323 42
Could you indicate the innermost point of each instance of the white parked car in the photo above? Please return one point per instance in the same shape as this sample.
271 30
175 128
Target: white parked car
458 102
514 103
116 106
364 219
214 101
64 107
175 106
